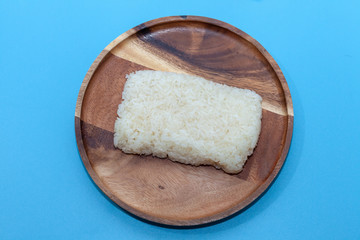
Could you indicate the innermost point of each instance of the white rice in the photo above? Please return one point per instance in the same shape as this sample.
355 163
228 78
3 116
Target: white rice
188 119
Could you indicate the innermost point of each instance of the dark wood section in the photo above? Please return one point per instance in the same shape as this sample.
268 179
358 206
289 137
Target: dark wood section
212 52
160 190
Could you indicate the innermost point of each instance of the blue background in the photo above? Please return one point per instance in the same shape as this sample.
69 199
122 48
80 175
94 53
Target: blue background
46 48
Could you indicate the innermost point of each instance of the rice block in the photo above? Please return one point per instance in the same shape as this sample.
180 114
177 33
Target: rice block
188 119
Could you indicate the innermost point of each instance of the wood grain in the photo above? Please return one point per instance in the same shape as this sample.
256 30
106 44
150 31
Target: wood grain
160 190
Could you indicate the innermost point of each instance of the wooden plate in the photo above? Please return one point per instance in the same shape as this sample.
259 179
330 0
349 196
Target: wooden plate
160 190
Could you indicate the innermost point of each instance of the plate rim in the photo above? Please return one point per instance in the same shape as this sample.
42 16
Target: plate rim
259 191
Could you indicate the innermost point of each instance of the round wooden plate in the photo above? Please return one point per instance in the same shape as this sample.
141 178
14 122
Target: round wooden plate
160 190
